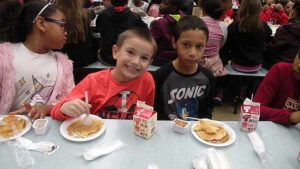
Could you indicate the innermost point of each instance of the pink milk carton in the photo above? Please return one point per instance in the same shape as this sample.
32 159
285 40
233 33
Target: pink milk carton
249 115
144 120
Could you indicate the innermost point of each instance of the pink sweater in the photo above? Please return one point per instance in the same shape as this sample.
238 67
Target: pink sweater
278 94
64 83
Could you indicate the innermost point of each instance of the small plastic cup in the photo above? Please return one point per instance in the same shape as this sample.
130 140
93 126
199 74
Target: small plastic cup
40 126
180 126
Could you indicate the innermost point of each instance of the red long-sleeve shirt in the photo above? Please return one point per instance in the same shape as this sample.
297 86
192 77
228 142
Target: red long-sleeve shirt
109 98
278 94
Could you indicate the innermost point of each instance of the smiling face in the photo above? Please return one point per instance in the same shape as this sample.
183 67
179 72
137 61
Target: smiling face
133 58
296 66
190 47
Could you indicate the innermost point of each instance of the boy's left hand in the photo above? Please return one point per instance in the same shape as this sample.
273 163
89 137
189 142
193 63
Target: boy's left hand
34 112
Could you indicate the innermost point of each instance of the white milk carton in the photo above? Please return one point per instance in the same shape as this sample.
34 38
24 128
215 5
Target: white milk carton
249 115
144 120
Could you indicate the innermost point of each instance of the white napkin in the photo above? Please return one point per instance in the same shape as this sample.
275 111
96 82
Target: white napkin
212 159
152 166
200 163
258 145
43 146
100 150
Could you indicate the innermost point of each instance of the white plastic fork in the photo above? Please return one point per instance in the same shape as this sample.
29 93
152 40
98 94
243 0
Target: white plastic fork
87 119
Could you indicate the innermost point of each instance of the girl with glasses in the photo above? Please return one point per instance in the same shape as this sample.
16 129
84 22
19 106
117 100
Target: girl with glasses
33 78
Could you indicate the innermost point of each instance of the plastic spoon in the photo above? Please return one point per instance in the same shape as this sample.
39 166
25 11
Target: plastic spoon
87 119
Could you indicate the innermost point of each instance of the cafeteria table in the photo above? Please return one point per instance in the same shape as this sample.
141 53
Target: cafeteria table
166 149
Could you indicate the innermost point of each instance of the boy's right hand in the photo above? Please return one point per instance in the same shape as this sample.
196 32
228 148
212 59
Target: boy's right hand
75 108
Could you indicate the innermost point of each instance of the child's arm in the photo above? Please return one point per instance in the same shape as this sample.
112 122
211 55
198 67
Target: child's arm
73 104
265 95
206 107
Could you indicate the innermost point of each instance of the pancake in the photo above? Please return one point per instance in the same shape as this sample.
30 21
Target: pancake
79 129
12 126
206 126
208 131
215 136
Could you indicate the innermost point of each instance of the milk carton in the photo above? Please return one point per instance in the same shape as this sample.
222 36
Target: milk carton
249 115
144 120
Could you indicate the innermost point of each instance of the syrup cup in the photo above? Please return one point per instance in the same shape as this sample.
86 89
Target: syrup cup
180 126
40 126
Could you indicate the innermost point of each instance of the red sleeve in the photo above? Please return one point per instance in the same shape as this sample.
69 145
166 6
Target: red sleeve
282 18
265 15
266 93
76 93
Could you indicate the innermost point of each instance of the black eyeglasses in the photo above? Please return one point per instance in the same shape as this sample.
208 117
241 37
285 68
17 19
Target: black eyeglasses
61 23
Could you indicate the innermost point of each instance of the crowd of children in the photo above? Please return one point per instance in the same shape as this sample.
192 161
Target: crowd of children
36 78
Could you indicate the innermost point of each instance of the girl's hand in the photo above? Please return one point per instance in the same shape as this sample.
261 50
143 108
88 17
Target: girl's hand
34 112
75 108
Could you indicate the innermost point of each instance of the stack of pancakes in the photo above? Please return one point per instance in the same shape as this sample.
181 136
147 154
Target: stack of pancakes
12 125
79 129
211 132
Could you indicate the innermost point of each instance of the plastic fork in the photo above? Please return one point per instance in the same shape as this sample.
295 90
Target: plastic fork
87 119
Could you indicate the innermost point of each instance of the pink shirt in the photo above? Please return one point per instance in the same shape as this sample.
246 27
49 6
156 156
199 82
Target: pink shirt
215 37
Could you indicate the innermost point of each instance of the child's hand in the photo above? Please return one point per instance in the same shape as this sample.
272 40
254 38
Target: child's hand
34 112
295 117
75 108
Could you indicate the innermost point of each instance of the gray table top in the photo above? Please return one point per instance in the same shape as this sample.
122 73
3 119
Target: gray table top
165 148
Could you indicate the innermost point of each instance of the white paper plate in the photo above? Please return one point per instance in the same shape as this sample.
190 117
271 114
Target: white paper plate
232 136
25 129
65 124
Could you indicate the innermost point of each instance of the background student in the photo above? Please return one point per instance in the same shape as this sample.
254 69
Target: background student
183 87
284 45
247 38
111 22
212 12
113 93
30 72
163 30
279 93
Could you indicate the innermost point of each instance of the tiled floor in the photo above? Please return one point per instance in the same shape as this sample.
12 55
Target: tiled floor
225 113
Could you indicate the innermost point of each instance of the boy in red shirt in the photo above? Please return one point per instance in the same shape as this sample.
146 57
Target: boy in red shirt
279 93
113 93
